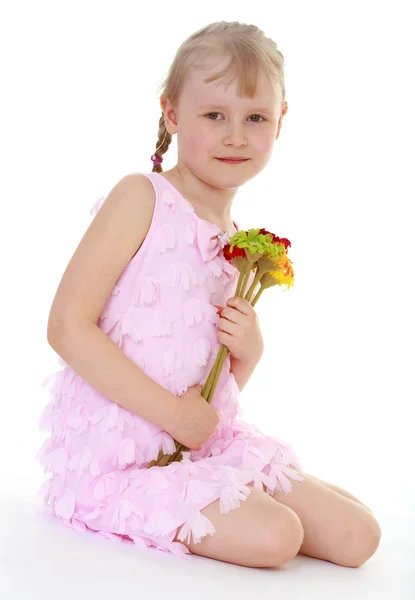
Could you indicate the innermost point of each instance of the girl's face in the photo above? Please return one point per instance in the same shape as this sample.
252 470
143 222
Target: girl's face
212 122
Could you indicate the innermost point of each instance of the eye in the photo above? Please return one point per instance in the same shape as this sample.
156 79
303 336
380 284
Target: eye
212 113
216 113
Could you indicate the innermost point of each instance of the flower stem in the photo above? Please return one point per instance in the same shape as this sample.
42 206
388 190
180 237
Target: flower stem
257 295
154 462
222 354
243 279
169 458
209 381
257 278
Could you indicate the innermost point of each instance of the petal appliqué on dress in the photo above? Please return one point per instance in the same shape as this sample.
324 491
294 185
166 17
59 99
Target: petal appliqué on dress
78 418
193 311
160 522
59 461
198 526
126 452
181 275
169 203
195 491
201 351
161 441
116 326
147 291
172 361
160 323
165 238
111 416
105 486
65 506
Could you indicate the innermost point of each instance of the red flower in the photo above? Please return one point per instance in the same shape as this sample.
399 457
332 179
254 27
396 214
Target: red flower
236 252
282 241
277 240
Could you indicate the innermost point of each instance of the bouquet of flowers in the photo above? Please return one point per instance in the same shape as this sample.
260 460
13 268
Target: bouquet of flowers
265 254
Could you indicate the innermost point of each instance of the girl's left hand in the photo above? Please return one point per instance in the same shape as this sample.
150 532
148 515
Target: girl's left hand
238 330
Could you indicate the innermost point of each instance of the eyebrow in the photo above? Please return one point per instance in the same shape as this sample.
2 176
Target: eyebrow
223 107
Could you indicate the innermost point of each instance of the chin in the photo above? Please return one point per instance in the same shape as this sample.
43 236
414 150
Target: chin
228 182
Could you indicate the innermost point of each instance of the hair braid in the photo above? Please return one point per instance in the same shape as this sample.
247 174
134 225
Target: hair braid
163 143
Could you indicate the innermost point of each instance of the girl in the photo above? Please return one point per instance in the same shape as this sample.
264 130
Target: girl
135 321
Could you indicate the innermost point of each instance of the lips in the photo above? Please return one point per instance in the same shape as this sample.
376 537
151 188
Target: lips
233 159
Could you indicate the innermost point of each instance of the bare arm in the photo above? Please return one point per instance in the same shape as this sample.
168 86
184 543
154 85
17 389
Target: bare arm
95 357
242 371
112 239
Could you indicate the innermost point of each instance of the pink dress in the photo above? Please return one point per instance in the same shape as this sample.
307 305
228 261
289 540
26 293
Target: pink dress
160 315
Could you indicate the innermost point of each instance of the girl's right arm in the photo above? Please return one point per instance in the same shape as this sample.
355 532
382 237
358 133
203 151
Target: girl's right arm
112 239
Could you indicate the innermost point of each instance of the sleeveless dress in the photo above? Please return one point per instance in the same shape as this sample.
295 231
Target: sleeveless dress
160 315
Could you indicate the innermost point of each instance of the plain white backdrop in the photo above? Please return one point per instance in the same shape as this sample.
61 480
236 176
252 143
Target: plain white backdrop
79 110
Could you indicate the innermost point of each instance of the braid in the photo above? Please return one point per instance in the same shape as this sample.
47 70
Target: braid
163 144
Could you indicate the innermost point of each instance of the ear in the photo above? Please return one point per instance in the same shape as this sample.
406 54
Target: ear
170 116
284 110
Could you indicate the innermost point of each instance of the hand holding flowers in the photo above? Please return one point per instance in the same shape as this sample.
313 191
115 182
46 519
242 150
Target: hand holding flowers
239 330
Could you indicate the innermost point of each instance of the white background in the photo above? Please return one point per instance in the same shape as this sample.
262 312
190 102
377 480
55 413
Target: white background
79 110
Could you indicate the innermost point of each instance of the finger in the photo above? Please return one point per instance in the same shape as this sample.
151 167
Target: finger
233 316
226 339
227 326
240 304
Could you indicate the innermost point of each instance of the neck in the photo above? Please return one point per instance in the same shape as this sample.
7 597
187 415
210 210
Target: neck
215 205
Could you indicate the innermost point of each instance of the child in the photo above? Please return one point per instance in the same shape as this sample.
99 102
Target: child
135 323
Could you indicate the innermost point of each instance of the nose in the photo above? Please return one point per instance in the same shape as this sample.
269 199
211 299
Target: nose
235 136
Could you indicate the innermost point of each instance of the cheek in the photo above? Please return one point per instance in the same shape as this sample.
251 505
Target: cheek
198 140
264 144
191 144
204 135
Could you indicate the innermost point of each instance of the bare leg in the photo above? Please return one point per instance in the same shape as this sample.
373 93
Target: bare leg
340 491
259 533
336 528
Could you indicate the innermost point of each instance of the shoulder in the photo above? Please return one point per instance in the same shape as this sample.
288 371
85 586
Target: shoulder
111 240
136 183
132 196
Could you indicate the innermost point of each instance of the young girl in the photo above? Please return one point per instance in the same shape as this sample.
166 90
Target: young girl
135 320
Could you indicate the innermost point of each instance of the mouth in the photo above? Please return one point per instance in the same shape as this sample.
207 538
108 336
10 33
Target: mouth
232 160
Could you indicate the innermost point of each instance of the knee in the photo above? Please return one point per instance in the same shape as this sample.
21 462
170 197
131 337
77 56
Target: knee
285 538
361 543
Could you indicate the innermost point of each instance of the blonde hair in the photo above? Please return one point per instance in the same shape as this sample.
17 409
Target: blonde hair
249 50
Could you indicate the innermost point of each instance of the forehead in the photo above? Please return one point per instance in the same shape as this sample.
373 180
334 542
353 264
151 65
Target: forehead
199 93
